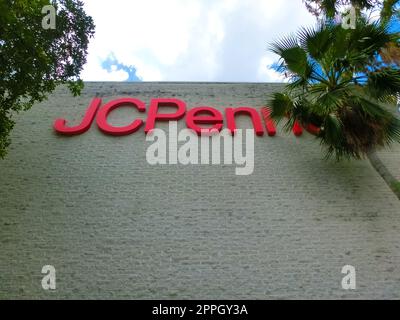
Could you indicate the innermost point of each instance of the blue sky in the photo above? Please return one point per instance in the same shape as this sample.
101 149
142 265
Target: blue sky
112 65
189 40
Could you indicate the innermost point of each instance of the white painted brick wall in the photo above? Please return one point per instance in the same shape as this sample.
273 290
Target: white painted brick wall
115 227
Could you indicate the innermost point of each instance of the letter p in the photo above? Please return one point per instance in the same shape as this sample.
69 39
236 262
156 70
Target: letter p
153 115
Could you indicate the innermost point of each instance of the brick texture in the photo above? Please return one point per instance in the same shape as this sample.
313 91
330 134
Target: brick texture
116 227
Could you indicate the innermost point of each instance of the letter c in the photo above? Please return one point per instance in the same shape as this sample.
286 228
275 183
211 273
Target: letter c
119 131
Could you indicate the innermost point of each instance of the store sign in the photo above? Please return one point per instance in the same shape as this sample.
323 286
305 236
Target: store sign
184 147
195 118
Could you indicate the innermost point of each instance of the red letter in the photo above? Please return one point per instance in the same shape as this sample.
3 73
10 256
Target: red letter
255 117
60 127
215 119
269 123
313 129
154 115
297 130
119 131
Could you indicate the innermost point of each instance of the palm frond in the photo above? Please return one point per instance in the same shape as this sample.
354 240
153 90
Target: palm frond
369 38
332 130
392 133
315 41
383 82
281 104
294 57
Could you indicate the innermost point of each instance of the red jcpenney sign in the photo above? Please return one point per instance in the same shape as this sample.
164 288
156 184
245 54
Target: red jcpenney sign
194 117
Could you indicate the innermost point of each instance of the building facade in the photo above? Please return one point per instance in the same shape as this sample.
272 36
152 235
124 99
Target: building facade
115 226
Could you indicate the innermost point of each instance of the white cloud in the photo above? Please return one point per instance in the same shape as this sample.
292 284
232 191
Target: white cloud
196 40
266 74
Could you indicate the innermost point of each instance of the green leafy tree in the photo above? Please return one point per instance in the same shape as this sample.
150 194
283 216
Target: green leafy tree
34 60
336 84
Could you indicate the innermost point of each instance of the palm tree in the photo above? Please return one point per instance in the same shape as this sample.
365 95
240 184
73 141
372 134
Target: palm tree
338 84
388 12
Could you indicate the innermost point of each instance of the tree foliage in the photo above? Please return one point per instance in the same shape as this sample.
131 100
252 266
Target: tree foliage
337 84
330 8
34 60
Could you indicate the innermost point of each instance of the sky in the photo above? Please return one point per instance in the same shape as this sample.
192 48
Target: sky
189 40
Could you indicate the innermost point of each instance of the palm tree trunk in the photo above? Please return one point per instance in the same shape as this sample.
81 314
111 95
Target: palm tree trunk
378 165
